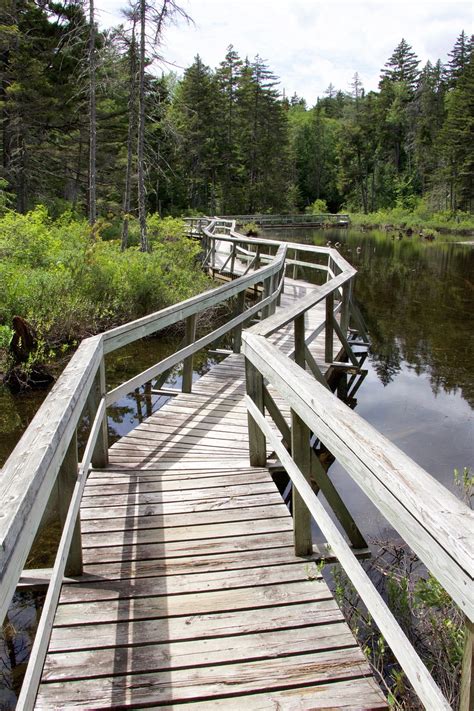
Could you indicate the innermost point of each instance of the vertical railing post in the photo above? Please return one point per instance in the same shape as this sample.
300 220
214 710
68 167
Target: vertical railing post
189 337
466 700
238 329
300 443
300 358
100 456
67 478
346 302
267 287
232 259
329 332
213 254
257 440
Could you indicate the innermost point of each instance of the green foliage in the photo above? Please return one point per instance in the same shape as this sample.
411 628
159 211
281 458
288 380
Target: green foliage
318 207
68 285
425 612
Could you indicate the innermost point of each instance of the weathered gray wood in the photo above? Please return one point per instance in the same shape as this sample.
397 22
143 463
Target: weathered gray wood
67 479
300 448
390 478
320 477
183 353
314 368
206 682
409 660
329 333
100 456
26 699
189 338
257 444
345 343
29 474
300 343
237 335
466 701
277 417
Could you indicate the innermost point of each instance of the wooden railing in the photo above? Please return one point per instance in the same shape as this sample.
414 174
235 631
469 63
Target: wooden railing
296 220
437 526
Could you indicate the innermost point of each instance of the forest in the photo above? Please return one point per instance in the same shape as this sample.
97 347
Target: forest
90 125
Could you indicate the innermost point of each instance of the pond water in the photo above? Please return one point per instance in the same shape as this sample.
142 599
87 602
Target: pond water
417 299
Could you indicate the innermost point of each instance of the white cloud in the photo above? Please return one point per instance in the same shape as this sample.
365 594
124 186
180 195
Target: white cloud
311 43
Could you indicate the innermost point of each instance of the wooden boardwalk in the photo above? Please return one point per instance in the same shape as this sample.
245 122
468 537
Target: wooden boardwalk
191 593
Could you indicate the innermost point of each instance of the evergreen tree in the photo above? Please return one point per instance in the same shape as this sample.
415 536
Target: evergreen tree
459 57
457 141
402 66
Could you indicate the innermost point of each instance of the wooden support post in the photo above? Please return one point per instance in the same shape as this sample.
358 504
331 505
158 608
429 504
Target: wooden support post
329 339
257 440
345 310
232 259
267 287
321 480
300 355
301 453
67 478
189 337
256 265
466 700
100 457
238 329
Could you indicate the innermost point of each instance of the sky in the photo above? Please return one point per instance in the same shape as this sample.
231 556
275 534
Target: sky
309 44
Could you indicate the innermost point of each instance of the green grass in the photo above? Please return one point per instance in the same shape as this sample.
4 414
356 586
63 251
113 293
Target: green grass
421 218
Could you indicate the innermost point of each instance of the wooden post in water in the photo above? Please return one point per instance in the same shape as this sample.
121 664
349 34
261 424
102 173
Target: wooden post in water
257 440
100 456
466 701
67 478
238 329
189 337
329 334
301 454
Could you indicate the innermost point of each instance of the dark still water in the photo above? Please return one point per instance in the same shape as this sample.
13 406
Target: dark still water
417 299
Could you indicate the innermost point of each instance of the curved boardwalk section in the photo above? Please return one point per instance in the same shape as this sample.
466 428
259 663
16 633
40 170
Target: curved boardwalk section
191 593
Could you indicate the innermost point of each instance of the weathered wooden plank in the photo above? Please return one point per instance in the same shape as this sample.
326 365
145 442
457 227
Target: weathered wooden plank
205 682
96 589
181 496
215 546
196 653
206 602
141 487
186 533
242 515
360 693
239 560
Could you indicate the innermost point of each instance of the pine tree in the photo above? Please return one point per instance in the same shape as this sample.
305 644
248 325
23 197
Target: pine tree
457 141
402 66
459 57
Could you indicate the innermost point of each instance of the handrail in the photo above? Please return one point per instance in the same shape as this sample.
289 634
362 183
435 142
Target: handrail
436 525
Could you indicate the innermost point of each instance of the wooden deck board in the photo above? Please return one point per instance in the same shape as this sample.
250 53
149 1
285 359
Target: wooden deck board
191 592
